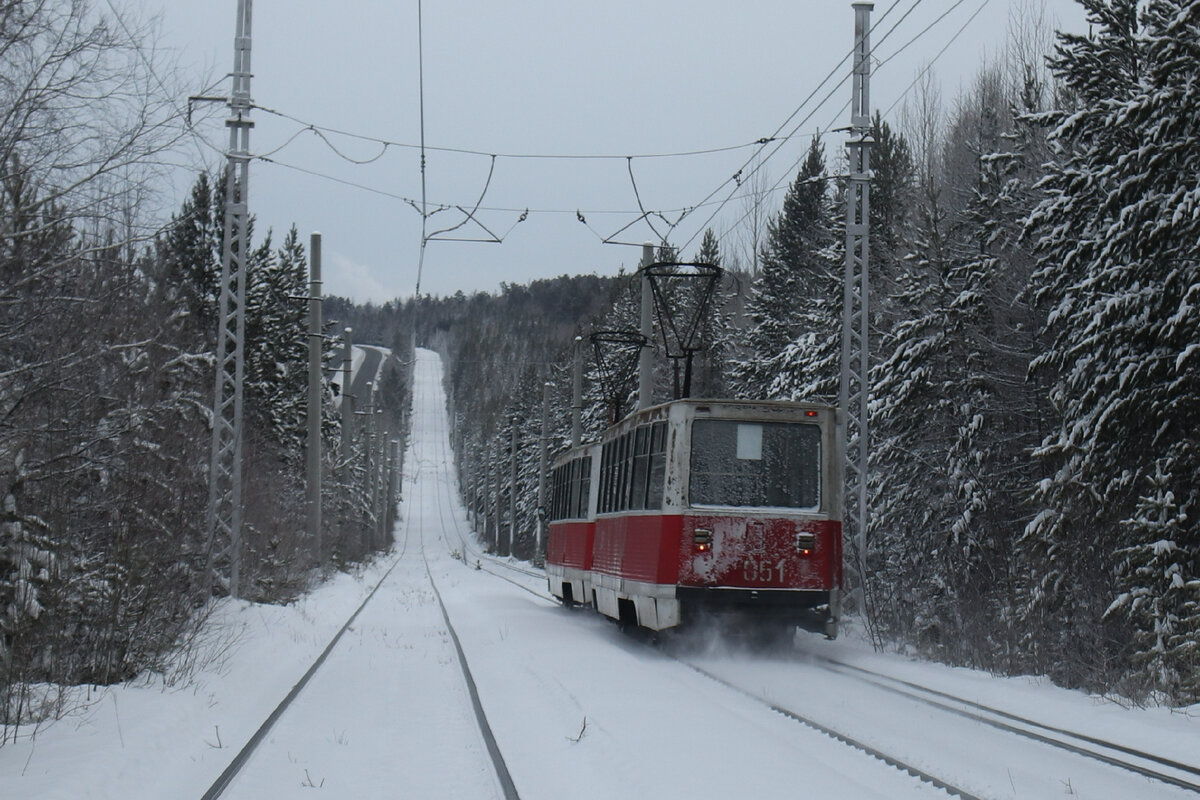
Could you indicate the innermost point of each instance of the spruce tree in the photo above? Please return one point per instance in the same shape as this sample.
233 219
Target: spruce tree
1120 277
790 347
191 256
715 329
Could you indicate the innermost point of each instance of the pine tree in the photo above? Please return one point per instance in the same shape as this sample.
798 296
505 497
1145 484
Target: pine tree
277 346
952 419
1120 277
1162 590
716 326
191 256
794 310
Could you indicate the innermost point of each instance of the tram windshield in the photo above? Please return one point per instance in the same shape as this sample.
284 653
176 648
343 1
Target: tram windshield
755 464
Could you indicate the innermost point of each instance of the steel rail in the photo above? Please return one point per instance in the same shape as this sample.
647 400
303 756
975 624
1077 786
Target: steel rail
489 738
981 714
239 761
891 761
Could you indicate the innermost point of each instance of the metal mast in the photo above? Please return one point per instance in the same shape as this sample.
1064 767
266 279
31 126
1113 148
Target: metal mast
646 327
855 386
225 469
316 344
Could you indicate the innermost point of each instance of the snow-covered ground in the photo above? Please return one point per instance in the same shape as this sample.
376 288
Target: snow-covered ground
578 709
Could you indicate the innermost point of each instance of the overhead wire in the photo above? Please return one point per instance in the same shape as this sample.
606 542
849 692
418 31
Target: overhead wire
644 213
386 143
754 163
440 206
791 134
778 183
933 61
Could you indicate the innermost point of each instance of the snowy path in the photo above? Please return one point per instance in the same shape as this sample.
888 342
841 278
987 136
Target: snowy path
575 707
578 709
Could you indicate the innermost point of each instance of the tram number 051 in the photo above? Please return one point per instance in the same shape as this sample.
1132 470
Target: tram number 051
762 571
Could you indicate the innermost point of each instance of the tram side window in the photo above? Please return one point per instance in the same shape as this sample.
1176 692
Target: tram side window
585 486
554 493
640 471
572 487
622 499
560 493
771 464
657 465
614 476
606 477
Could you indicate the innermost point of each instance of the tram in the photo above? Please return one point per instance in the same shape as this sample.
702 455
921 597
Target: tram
700 506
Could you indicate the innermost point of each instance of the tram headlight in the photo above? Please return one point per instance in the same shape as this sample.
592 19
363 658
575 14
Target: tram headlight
702 540
805 542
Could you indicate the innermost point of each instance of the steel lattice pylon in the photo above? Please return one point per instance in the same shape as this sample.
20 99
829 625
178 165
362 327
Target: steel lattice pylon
225 468
855 384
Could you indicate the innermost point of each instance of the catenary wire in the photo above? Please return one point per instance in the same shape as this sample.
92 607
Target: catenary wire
642 212
737 177
778 183
386 143
934 60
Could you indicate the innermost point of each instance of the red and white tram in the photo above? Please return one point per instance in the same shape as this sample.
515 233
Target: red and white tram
702 505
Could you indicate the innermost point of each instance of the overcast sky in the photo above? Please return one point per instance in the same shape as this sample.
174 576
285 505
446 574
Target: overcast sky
550 77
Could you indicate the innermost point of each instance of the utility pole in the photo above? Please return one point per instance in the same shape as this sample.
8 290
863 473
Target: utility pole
394 475
494 468
577 394
347 397
381 480
854 391
367 450
473 507
225 465
645 364
512 485
543 463
315 346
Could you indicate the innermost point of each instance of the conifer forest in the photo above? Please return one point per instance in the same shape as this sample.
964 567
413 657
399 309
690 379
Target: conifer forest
1035 363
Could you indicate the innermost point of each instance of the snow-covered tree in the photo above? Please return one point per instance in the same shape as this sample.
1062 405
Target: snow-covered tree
715 328
794 312
1120 277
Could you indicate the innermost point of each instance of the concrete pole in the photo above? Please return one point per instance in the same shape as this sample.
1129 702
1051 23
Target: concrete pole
543 464
495 469
645 364
512 486
477 504
577 394
315 345
381 485
347 396
368 472
395 484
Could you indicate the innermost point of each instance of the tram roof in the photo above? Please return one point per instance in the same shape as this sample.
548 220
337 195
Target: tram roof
694 406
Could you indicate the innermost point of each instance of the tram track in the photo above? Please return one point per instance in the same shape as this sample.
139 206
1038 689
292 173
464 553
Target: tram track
243 756
469 549
1169 771
416 510
1146 765
943 701
503 776
892 761
432 510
